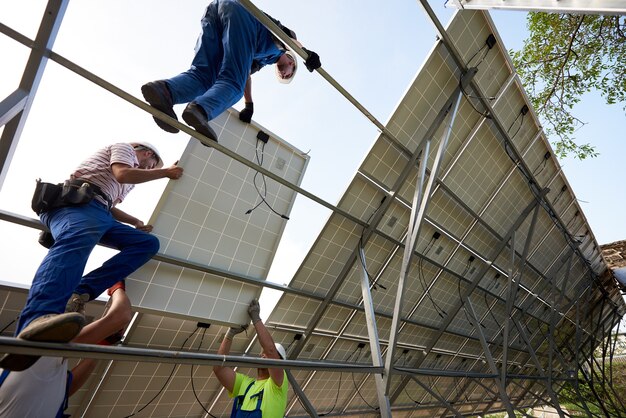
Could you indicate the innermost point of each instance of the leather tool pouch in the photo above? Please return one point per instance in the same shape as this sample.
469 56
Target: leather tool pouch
45 196
50 196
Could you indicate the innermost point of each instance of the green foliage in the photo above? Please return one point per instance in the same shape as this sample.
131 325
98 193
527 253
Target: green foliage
611 391
564 57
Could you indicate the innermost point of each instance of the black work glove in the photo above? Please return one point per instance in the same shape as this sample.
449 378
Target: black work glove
313 60
246 113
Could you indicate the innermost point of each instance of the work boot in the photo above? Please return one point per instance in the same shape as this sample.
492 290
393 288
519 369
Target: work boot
158 95
196 117
77 303
52 328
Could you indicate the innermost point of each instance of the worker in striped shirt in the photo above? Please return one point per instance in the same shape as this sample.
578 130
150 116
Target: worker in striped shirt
111 173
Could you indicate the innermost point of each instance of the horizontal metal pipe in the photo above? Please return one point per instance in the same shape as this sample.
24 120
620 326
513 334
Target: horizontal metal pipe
150 355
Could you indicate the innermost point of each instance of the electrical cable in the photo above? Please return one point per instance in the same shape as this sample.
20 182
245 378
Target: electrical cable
193 388
372 282
476 53
262 194
9 324
519 127
468 96
404 353
422 279
467 267
166 382
357 388
339 385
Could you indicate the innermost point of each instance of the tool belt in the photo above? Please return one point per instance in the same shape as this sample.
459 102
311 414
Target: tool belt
49 196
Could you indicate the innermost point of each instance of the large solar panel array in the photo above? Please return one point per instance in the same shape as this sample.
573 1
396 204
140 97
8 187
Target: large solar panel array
480 200
505 285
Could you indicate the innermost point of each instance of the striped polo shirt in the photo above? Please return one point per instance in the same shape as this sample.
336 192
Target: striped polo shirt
97 170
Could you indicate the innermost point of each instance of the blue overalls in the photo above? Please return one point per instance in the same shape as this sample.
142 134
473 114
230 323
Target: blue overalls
237 412
77 230
231 40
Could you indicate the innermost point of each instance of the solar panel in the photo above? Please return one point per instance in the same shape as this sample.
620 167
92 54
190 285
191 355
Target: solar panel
499 261
202 218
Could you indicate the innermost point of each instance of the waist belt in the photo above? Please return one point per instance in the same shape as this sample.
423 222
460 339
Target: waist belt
96 189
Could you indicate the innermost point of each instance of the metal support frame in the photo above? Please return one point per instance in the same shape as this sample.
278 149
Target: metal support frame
492 364
477 277
421 199
613 7
372 331
12 105
300 394
23 97
515 279
19 104
150 355
438 397
548 383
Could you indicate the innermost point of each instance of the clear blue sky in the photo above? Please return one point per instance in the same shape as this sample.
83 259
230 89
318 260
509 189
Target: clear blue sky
373 49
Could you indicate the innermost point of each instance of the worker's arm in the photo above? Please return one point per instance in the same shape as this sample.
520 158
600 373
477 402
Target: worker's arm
246 113
247 91
226 375
121 216
80 374
266 341
126 174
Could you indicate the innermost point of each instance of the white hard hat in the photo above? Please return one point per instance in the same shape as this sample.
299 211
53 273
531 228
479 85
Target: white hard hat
151 148
291 55
281 351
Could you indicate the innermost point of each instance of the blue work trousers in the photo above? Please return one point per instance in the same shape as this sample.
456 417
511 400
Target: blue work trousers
76 231
231 39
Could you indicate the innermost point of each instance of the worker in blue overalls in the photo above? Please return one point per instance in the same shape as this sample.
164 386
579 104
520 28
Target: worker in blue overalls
232 46
265 396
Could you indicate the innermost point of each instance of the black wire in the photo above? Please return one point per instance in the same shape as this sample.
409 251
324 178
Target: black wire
372 282
339 384
9 324
166 382
519 126
357 388
486 114
476 53
193 388
422 279
262 194
406 391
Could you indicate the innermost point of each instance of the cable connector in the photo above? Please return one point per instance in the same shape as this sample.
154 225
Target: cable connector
262 136
524 110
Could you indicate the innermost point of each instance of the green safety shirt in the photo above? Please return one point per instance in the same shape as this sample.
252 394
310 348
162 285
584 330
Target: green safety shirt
274 396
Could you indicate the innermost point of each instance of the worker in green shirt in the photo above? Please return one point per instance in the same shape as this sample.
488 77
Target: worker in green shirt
265 396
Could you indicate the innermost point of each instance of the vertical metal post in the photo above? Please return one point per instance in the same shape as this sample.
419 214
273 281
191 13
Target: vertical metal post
489 357
514 286
533 355
418 209
372 331
33 72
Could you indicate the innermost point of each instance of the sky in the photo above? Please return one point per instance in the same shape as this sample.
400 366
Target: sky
373 49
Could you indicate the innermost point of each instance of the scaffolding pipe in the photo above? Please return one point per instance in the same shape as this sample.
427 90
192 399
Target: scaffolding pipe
149 355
